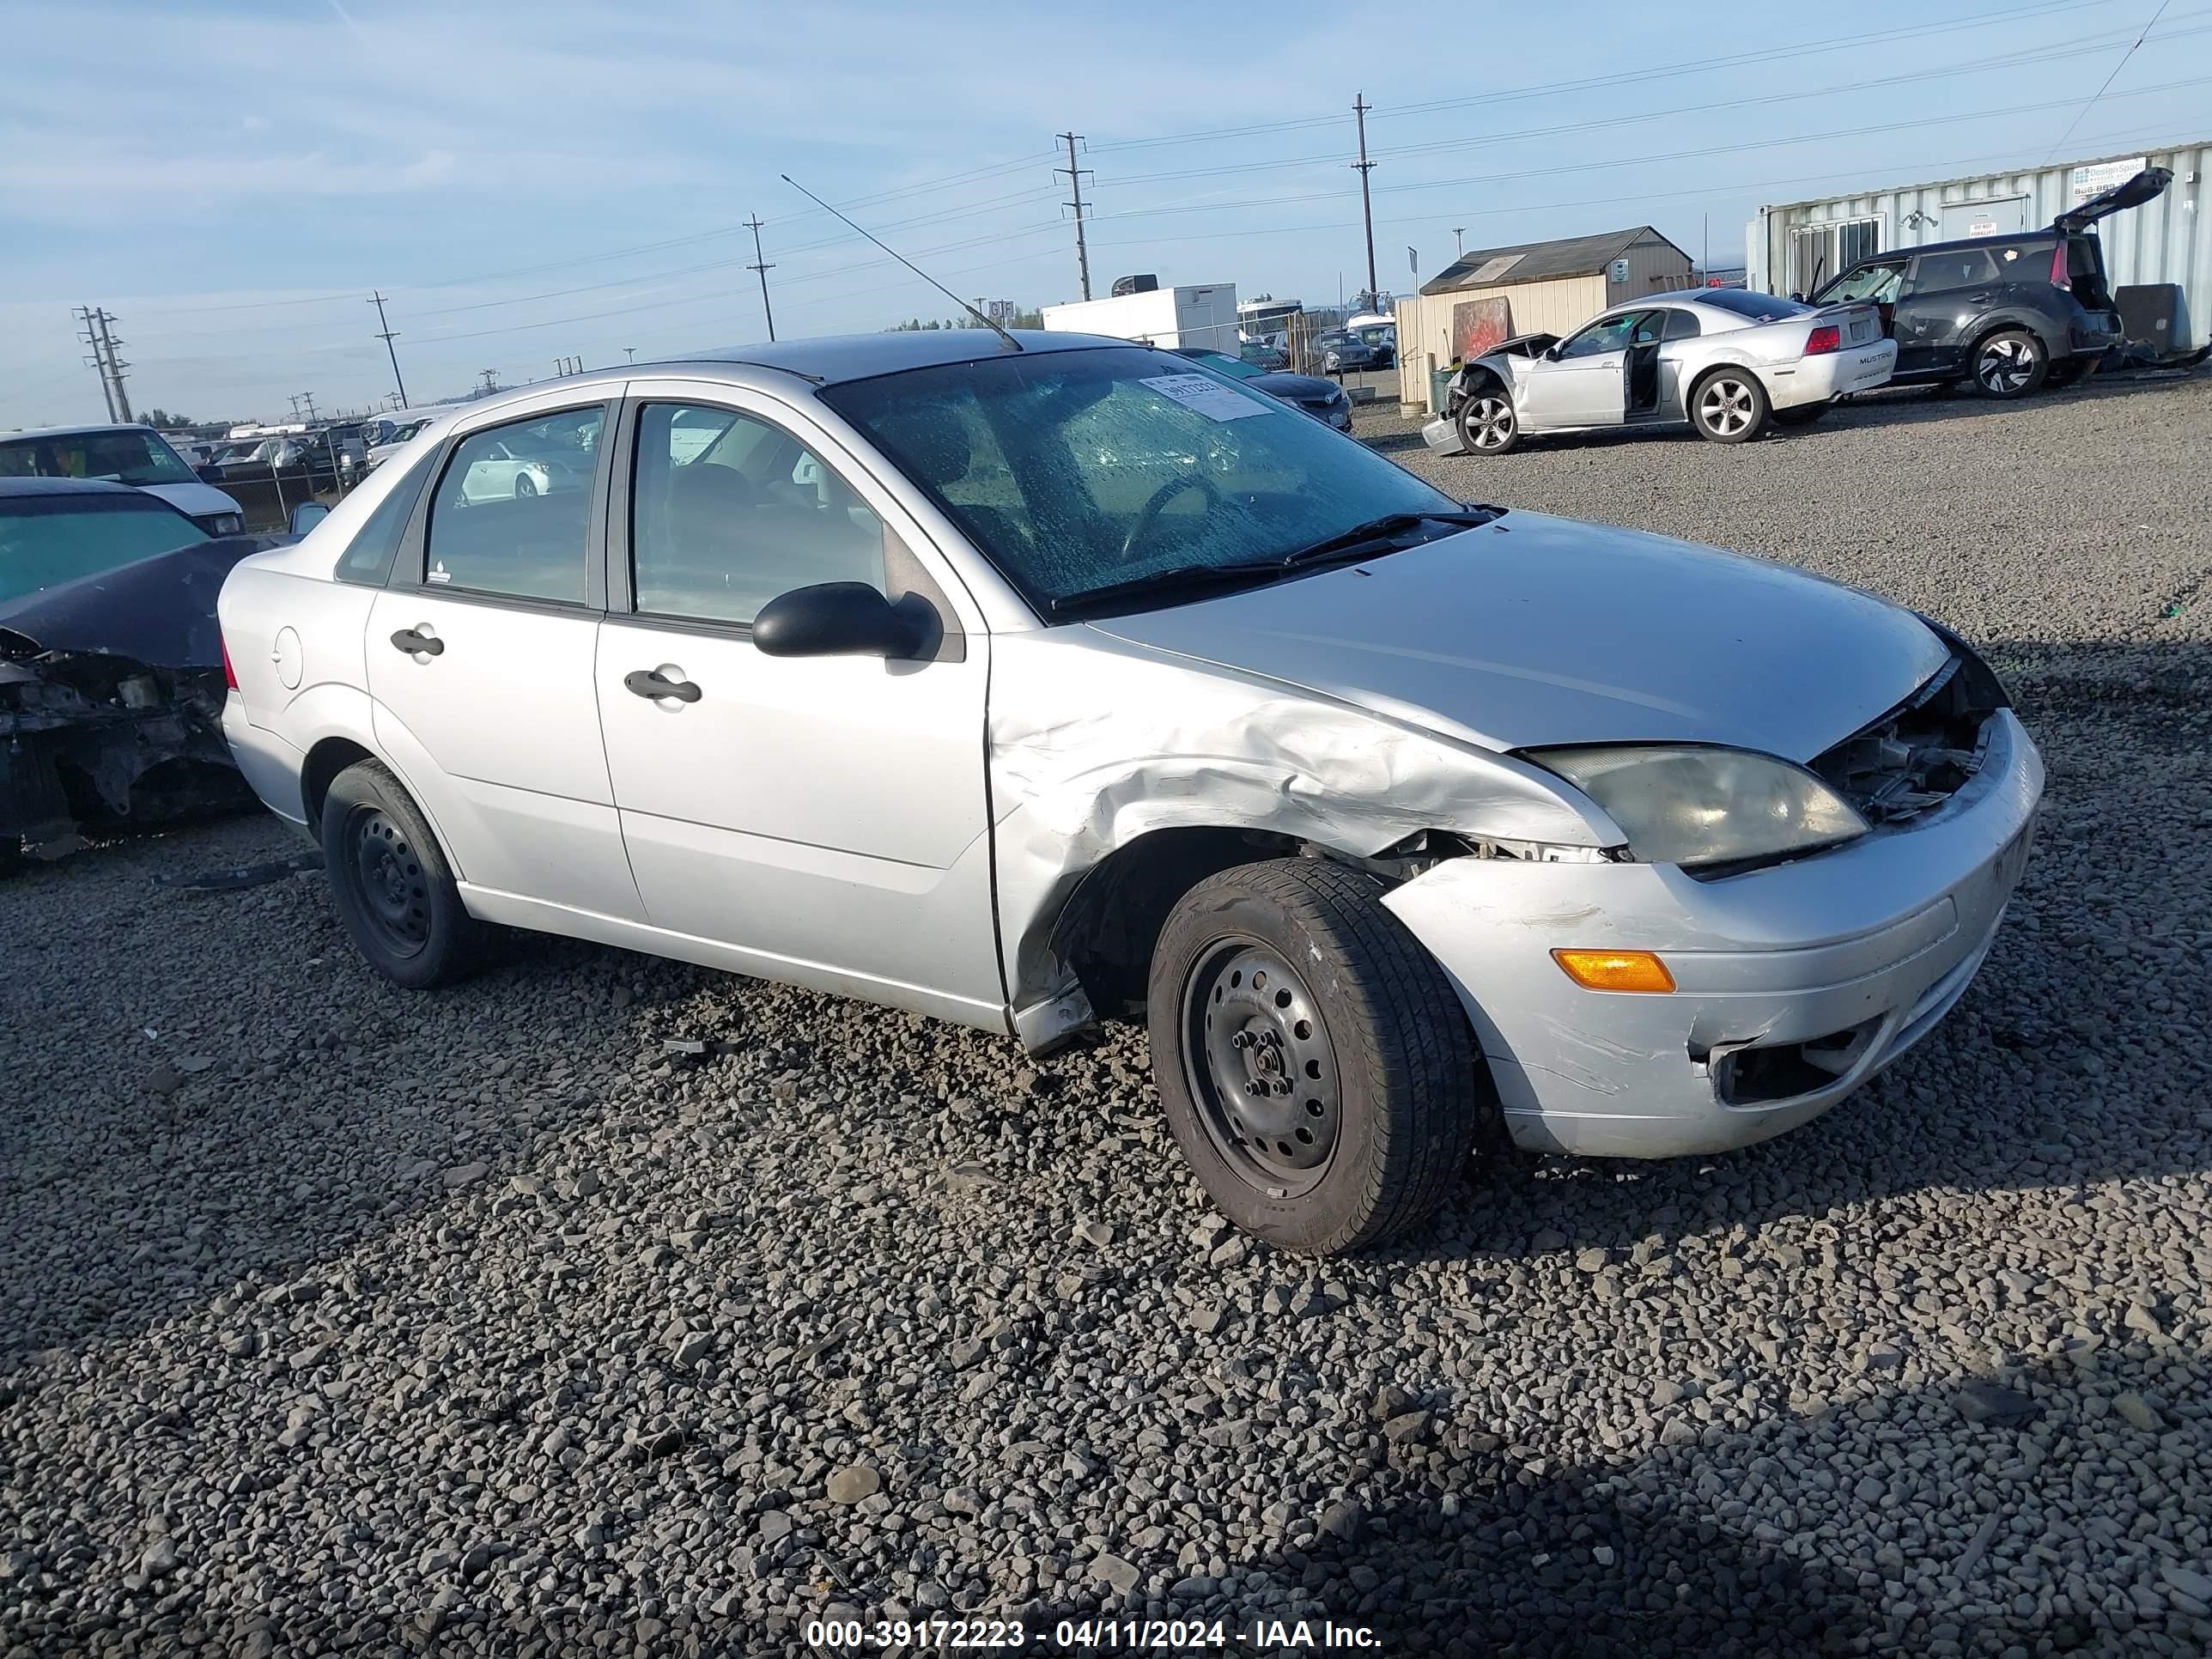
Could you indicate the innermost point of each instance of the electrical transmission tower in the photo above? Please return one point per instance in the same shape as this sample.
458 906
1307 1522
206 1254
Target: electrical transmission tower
104 360
1075 187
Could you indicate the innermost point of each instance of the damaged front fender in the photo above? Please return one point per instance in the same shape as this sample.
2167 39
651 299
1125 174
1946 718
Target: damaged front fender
1096 741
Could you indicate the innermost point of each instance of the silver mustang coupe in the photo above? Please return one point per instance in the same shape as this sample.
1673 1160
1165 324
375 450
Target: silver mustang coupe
1725 361
1023 681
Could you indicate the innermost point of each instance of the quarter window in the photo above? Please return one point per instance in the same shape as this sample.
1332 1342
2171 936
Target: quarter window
513 509
368 556
1683 325
727 512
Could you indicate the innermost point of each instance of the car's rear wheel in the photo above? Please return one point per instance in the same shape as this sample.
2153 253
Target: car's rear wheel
2010 364
1803 414
1729 406
1487 424
523 486
2071 371
393 889
1315 1065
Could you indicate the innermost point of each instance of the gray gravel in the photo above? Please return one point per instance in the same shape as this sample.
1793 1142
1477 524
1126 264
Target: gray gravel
610 1305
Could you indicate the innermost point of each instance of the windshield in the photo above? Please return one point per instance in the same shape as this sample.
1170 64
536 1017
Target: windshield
1235 368
47 540
131 455
1079 471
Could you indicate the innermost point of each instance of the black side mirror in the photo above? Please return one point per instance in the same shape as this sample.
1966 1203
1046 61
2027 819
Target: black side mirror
1799 298
306 516
838 619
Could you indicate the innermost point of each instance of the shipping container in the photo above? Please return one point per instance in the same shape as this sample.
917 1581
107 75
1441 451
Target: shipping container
1793 248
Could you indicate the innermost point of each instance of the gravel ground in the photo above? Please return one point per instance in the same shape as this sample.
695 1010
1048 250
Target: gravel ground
334 1319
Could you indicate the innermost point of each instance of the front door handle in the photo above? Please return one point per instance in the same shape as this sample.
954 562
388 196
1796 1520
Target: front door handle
650 682
416 642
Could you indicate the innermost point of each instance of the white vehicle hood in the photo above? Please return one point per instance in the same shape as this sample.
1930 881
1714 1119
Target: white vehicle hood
1538 631
194 499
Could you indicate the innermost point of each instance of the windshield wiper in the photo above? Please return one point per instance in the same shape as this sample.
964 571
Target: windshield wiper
1174 577
1380 532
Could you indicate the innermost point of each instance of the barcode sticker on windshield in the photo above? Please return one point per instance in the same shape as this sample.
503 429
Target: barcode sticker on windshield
1207 396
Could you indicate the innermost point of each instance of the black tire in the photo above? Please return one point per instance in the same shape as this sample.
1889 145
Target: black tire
2010 364
1729 406
2072 371
1487 423
1366 1032
393 888
524 488
11 855
1803 413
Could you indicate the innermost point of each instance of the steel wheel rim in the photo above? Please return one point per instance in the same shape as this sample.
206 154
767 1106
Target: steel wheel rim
2005 365
1725 406
1260 1067
1491 422
524 487
389 885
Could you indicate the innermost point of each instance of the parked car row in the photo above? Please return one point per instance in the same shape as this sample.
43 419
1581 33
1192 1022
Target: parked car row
1403 822
2010 315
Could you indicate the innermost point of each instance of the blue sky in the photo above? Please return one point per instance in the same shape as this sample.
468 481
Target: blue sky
232 178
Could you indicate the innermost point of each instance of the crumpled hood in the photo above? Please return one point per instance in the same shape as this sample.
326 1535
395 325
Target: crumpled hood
158 610
1539 630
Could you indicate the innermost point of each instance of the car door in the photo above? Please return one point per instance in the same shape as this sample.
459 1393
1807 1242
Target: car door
1579 382
480 655
1643 389
820 820
1945 295
1679 335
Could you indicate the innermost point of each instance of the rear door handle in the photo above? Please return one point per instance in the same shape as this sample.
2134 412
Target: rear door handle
416 642
650 682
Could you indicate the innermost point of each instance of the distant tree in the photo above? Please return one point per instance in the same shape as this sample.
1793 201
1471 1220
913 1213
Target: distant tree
162 417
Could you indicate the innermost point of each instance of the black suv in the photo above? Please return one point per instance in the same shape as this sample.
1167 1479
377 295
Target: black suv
2011 312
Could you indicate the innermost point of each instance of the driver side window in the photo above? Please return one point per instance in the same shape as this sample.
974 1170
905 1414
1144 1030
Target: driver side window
1609 334
727 512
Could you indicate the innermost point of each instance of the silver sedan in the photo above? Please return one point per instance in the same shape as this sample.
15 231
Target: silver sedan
1724 360
1400 821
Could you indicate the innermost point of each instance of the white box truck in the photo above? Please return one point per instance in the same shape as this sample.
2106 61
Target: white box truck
1204 315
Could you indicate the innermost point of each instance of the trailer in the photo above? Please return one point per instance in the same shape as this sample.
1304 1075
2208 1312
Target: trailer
1203 315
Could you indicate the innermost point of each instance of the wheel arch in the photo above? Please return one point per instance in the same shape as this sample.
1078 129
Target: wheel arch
329 757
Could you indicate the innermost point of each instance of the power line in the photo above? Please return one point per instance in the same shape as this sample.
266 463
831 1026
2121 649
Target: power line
387 336
1075 184
2109 79
760 264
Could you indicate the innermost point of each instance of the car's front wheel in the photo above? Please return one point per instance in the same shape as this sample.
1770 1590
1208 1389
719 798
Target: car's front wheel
1729 406
524 488
1315 1065
393 889
2010 364
1487 424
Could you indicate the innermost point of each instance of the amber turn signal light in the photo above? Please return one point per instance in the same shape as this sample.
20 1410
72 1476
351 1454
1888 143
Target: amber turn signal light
1615 970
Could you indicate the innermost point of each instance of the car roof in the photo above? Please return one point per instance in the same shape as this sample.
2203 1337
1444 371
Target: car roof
841 357
2011 239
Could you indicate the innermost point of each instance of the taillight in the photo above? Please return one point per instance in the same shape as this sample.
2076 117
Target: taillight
2060 276
1826 339
229 674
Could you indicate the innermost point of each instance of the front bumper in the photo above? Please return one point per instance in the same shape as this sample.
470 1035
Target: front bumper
1832 374
1847 956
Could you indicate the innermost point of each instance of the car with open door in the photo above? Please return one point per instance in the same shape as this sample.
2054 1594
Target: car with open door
2010 314
1029 678
1723 362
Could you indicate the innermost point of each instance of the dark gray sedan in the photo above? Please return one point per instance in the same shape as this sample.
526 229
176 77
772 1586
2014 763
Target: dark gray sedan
1323 399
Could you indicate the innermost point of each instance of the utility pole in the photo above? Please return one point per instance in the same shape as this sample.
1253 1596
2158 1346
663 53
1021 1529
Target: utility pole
98 361
1359 108
308 399
491 382
388 336
761 266
629 353
121 405
1459 236
1075 185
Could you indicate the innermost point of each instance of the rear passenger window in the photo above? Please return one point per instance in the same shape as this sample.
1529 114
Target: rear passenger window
1682 325
368 556
1938 272
728 512
513 507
